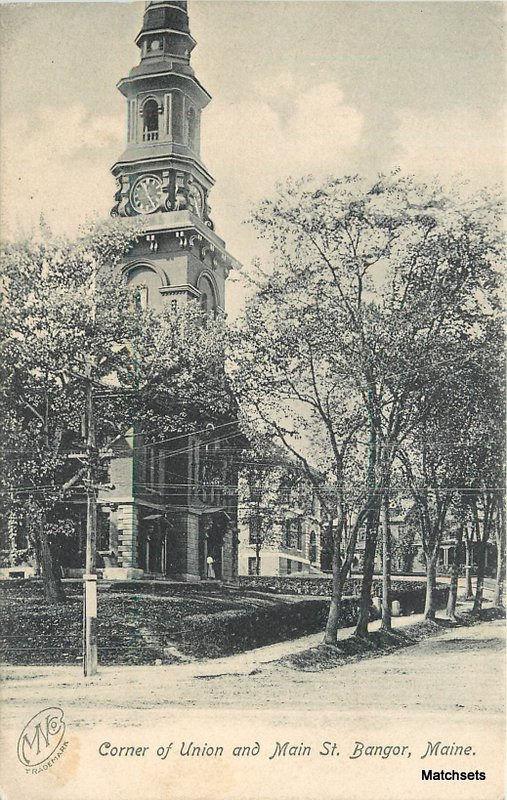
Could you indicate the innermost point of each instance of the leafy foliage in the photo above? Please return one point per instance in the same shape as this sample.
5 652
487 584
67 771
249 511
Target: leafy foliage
361 330
68 319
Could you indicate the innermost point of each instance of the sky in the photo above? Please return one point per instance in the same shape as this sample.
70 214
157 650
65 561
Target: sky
298 87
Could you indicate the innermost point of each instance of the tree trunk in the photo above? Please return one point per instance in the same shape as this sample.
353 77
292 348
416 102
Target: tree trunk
499 598
51 577
235 546
33 538
368 568
430 608
386 565
333 617
468 568
370 544
479 586
453 588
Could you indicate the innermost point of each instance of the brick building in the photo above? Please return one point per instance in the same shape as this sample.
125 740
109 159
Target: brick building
279 521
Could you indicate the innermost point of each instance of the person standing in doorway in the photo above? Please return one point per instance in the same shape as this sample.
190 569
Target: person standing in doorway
210 570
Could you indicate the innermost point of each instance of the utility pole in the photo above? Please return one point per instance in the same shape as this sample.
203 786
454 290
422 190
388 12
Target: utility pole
90 576
91 459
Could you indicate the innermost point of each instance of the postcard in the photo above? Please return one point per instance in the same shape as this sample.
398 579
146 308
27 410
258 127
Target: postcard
252 460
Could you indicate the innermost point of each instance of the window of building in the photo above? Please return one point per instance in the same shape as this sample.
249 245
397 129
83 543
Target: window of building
177 116
300 566
152 466
255 494
284 491
287 533
299 534
102 530
252 565
315 504
207 299
313 547
289 566
254 530
150 121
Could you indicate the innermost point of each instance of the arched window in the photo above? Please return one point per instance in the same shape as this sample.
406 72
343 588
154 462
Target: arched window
207 299
150 121
145 285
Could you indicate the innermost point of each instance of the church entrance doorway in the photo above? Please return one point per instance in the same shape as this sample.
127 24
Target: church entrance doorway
215 544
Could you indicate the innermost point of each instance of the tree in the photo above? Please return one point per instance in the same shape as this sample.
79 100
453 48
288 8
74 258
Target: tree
367 280
487 478
455 454
469 558
499 531
405 546
261 504
426 478
71 328
456 563
58 321
286 388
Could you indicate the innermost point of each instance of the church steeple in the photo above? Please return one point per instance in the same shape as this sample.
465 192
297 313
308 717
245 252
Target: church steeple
179 259
160 175
161 169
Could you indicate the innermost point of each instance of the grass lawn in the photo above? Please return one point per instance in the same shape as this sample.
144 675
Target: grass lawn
143 622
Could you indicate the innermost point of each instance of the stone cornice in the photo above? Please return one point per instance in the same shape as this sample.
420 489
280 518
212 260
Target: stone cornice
184 224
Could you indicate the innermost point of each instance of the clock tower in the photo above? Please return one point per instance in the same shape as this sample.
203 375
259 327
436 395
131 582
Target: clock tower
160 174
168 515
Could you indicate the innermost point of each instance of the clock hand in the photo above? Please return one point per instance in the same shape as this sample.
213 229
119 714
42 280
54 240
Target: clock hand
156 198
147 199
145 193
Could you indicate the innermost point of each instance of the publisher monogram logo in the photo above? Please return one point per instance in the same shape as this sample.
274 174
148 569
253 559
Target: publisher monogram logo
41 736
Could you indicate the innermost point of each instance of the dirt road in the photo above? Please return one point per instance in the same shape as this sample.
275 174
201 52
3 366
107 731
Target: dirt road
447 689
402 680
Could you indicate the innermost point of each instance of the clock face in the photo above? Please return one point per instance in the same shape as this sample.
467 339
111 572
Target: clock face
146 195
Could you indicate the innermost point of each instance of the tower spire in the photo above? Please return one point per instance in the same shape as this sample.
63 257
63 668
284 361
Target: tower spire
165 23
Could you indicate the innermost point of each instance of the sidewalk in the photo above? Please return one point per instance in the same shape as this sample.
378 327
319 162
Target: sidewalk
254 659
239 664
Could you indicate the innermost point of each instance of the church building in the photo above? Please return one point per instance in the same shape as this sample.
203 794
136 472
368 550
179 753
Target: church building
170 509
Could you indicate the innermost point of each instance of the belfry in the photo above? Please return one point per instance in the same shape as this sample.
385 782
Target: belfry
161 175
155 529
